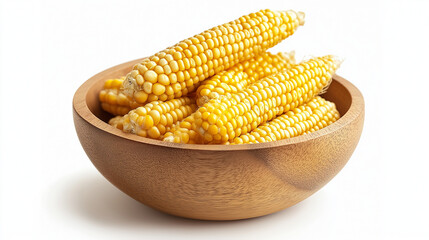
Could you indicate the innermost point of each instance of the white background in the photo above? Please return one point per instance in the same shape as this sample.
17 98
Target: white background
50 190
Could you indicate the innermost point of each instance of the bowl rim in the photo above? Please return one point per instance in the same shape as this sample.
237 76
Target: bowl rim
81 108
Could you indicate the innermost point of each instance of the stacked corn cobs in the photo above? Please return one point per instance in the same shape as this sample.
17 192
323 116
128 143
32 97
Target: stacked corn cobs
222 87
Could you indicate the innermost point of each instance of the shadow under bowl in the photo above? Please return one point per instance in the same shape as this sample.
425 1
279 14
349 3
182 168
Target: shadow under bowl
217 182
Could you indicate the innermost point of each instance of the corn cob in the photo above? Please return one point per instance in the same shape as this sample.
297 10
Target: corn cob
314 115
113 101
179 69
221 120
155 118
243 74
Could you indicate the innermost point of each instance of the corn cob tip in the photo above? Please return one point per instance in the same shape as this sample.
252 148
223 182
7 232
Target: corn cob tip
129 85
289 55
299 15
333 58
301 18
338 60
117 122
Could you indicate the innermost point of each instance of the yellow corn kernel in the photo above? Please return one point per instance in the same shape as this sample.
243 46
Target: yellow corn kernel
155 118
158 89
262 100
309 117
243 74
195 59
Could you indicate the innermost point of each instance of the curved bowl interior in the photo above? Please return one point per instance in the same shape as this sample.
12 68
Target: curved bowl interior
217 182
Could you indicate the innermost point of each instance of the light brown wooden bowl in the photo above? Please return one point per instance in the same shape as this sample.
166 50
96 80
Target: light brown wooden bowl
217 182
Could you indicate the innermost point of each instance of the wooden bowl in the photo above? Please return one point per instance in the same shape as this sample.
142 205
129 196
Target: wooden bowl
217 182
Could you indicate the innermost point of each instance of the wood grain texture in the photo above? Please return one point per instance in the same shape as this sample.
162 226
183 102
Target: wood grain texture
217 182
